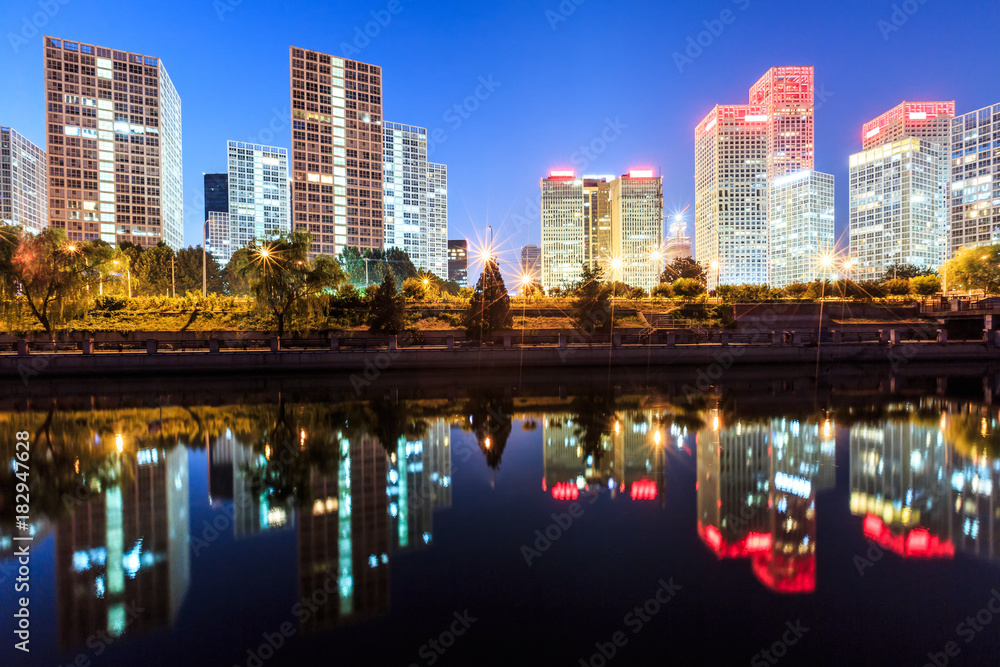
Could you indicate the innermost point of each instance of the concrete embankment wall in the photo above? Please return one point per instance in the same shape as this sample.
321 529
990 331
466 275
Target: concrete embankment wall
375 361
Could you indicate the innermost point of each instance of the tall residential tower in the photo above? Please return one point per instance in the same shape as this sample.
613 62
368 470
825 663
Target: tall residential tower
336 151
23 182
114 145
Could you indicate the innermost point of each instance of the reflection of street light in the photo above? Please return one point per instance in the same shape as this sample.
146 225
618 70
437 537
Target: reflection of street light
656 437
487 442
618 427
119 443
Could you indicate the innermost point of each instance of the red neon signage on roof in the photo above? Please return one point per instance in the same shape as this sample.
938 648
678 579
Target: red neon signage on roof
562 173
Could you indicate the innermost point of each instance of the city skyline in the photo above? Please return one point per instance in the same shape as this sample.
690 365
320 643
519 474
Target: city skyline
843 88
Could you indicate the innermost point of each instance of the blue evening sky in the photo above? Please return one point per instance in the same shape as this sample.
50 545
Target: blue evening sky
557 84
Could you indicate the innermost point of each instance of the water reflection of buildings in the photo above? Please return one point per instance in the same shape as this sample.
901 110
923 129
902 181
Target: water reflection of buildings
374 505
918 495
231 469
125 548
628 458
756 490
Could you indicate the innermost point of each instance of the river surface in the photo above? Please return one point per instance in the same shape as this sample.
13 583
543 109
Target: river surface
630 517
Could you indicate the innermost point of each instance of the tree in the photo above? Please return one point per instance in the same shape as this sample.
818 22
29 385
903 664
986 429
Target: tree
489 308
282 279
688 287
745 293
235 278
663 290
925 286
684 267
897 287
976 268
387 309
151 272
369 267
636 293
796 290
591 307
53 271
188 271
904 271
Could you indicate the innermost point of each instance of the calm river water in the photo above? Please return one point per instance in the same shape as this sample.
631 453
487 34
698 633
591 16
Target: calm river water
632 518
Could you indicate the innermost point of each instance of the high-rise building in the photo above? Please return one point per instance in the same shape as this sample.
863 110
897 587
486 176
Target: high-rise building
895 204
216 193
678 244
458 261
740 150
114 145
336 151
730 223
930 122
597 249
975 179
437 216
637 228
412 187
218 239
563 249
23 182
258 194
531 261
801 227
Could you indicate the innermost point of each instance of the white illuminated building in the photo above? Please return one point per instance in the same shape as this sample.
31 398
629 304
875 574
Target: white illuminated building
416 198
563 251
258 196
637 228
801 227
895 205
975 179
23 179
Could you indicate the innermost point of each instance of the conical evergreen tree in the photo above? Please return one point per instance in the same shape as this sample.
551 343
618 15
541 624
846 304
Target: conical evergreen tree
489 308
386 314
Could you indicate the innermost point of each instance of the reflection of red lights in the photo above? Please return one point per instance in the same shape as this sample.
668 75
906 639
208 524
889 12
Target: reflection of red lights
786 574
644 489
544 488
565 491
713 537
758 542
917 543
873 526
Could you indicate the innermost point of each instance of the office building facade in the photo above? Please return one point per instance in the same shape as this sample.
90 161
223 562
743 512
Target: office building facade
336 151
895 201
114 145
801 227
412 187
216 193
563 252
458 261
974 199
731 230
23 182
258 193
637 228
930 122
740 151
437 219
597 248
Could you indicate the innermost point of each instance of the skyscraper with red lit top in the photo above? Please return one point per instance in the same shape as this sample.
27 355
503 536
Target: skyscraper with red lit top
740 152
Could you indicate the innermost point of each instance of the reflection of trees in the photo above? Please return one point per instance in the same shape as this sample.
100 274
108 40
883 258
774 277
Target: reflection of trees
595 416
966 433
490 419
392 420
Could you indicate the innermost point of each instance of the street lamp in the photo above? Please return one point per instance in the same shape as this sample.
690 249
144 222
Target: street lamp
715 266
